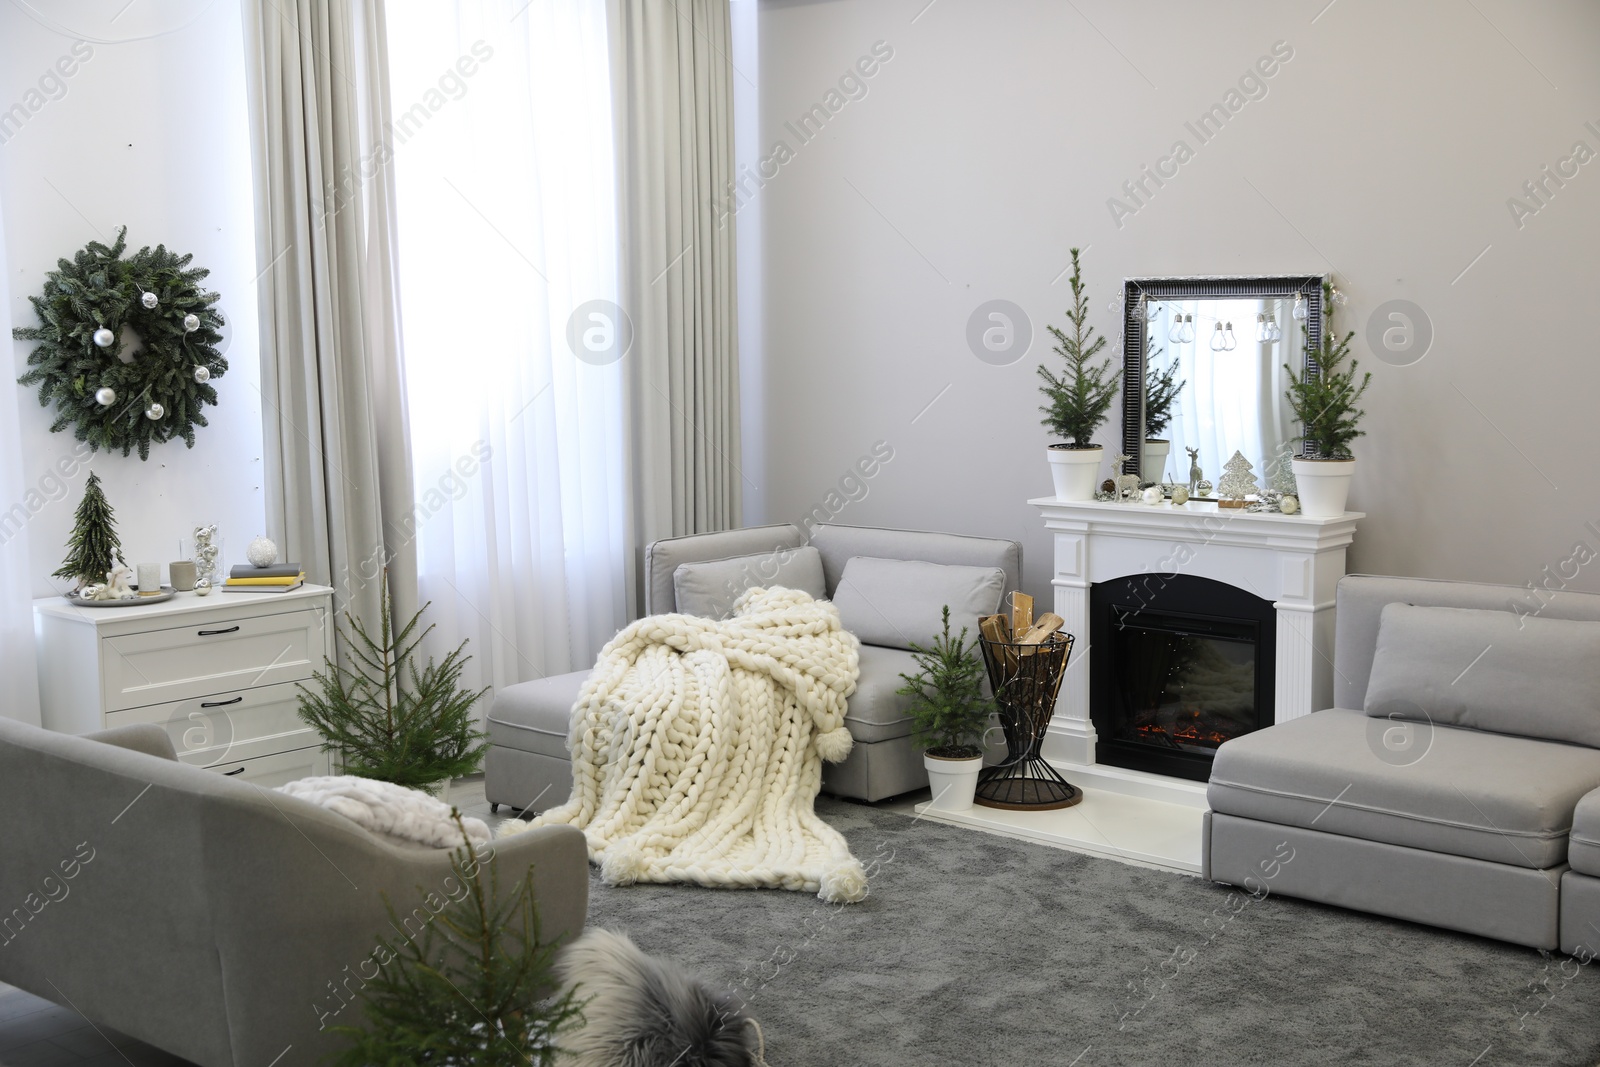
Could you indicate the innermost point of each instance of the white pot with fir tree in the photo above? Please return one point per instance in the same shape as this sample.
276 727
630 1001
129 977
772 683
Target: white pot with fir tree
949 715
1325 403
1077 400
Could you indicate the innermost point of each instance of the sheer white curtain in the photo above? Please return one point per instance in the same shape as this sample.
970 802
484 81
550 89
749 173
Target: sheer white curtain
503 149
20 683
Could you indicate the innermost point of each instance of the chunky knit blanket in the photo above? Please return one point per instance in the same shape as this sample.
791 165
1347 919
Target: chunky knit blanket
406 815
697 748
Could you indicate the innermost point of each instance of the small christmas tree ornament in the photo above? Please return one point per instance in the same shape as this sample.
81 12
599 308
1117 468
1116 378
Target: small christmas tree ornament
261 552
202 375
150 300
105 396
154 411
93 549
1289 504
1238 482
104 337
191 323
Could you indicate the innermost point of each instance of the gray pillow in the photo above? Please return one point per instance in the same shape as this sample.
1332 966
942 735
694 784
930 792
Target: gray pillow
1488 670
710 588
895 602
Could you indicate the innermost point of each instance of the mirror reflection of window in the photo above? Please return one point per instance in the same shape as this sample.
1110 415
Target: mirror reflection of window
1230 355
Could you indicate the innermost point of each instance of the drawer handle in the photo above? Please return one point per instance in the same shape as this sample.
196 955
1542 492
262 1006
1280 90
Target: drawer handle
213 633
230 774
221 703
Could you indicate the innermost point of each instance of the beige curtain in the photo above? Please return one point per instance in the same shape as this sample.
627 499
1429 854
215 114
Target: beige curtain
673 108
337 467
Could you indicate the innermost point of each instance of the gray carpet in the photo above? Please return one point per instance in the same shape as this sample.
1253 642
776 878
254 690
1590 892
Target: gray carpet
975 949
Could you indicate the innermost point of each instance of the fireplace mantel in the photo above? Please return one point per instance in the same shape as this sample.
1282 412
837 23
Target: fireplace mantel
1290 560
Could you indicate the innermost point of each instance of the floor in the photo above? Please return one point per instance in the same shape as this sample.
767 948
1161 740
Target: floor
37 1033
1109 822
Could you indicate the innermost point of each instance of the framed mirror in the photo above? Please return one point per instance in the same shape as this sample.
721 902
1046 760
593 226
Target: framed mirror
1202 369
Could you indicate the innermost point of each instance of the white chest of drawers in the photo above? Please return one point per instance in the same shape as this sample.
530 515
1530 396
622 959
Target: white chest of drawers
219 673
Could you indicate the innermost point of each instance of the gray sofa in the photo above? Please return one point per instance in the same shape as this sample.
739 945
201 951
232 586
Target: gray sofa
528 765
1456 782
211 918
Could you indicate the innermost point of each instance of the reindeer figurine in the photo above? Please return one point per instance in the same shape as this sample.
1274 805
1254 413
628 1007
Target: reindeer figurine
1196 475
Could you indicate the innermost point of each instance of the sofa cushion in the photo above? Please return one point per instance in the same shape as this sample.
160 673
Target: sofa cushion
1583 847
710 588
1452 790
896 602
875 712
535 716
1488 670
662 558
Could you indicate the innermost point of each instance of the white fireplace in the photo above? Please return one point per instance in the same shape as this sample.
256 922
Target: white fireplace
1290 560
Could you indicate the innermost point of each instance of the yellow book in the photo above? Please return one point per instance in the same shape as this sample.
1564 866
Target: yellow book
292 580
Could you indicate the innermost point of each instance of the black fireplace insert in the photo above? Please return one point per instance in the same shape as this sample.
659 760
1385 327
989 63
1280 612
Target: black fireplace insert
1177 665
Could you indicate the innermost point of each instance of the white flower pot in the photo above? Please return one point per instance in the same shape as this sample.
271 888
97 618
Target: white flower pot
440 789
1075 471
953 781
1324 486
1153 459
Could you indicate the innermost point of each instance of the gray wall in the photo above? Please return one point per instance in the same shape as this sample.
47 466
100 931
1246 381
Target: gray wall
1384 151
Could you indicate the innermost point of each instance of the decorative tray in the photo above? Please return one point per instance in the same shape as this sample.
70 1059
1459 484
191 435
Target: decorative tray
166 593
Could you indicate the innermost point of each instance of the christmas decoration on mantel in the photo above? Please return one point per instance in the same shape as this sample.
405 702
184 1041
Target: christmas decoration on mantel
1238 482
127 346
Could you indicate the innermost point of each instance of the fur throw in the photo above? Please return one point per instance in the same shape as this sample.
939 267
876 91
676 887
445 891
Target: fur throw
640 1011
697 748
409 816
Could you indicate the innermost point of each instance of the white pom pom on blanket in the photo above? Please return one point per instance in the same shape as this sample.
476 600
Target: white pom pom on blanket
406 815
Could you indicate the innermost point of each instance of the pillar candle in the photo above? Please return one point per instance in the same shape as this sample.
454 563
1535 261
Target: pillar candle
149 579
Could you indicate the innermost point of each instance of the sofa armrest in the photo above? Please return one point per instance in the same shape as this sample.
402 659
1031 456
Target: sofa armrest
559 856
144 737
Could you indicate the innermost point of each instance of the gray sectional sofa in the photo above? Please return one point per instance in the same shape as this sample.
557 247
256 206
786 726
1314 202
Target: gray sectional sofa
209 917
1456 783
528 766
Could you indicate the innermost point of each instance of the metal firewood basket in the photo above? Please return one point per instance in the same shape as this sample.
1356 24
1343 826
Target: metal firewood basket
1026 680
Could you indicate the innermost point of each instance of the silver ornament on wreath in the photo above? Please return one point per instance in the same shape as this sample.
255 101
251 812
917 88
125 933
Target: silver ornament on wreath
150 301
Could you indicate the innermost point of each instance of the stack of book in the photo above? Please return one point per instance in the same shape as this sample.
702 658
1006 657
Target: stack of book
279 578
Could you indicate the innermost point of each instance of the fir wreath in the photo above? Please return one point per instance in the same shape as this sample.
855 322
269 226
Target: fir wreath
114 393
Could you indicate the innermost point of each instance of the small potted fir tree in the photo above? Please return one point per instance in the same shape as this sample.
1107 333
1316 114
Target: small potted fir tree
385 718
1161 389
1077 400
1325 403
949 715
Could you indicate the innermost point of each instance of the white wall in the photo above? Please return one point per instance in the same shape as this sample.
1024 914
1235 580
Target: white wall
150 132
1384 151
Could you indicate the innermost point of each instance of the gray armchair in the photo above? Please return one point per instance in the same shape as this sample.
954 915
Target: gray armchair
528 763
222 922
528 766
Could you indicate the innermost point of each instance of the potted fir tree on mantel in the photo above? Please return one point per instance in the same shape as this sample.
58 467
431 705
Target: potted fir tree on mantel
386 719
1325 403
1077 400
949 716
1161 389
